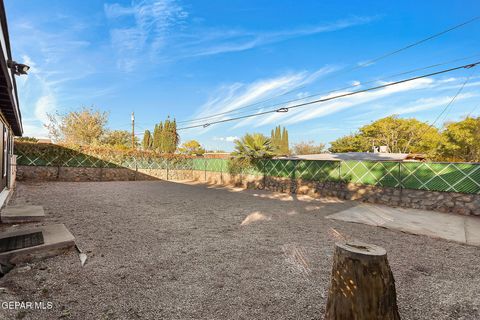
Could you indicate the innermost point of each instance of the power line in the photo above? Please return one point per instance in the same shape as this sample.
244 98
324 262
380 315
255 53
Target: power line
423 40
286 109
451 101
361 65
440 114
458 93
473 110
237 111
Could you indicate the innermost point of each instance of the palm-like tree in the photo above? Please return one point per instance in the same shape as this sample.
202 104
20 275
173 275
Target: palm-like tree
254 146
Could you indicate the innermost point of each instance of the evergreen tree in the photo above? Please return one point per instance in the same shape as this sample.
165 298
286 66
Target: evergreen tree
165 137
147 140
175 136
285 145
159 146
279 140
156 137
278 137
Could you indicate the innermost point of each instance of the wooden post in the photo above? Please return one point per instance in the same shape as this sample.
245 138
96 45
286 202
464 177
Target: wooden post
362 285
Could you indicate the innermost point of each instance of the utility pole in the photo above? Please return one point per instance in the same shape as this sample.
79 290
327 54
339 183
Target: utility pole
133 130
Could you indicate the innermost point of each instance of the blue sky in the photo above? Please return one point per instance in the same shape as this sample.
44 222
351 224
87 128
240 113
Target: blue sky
190 59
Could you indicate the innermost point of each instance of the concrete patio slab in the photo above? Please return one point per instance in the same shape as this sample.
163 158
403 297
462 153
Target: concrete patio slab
56 238
463 229
22 214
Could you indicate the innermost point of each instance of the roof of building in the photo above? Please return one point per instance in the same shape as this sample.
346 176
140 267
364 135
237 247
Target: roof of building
8 87
366 156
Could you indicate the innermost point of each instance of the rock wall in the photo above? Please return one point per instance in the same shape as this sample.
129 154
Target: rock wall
40 173
458 203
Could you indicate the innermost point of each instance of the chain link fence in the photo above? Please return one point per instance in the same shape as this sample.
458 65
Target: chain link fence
449 177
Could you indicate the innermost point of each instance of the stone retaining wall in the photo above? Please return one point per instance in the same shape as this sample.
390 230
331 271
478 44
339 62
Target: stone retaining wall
458 203
42 173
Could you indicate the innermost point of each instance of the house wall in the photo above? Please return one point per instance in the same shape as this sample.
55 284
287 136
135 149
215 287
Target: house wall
451 202
6 153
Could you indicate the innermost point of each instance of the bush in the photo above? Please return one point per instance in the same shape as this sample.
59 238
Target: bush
238 165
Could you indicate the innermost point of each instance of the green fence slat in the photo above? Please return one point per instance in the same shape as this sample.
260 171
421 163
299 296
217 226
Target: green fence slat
279 168
379 173
317 170
452 177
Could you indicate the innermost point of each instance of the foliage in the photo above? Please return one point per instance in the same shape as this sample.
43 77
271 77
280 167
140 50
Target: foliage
165 136
350 143
397 134
462 140
119 139
147 140
192 147
238 165
26 139
279 140
83 127
65 155
309 147
254 146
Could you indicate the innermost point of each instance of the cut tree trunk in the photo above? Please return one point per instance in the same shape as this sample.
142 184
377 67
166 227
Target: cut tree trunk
362 285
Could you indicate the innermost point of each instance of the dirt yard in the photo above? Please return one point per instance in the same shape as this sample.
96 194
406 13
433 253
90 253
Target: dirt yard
164 250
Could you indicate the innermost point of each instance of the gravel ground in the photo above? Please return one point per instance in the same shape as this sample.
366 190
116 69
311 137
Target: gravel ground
164 250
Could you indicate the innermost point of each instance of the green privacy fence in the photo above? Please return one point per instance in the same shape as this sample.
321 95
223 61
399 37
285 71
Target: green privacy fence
453 177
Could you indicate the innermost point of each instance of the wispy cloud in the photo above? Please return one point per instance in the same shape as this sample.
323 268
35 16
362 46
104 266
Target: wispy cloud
253 95
326 108
149 24
159 30
424 104
57 58
213 42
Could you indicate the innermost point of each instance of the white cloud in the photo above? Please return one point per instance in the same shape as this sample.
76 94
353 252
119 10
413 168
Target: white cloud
45 104
226 139
254 95
152 20
58 54
355 83
321 109
157 30
214 42
430 103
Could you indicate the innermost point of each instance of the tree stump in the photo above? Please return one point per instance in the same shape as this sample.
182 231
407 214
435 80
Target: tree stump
362 285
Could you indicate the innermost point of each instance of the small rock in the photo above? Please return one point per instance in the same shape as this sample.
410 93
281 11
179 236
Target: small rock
449 204
24 269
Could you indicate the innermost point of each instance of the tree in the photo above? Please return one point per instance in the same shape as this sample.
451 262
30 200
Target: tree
285 145
397 134
309 147
192 147
254 146
118 138
83 127
351 143
279 140
165 137
147 140
462 140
